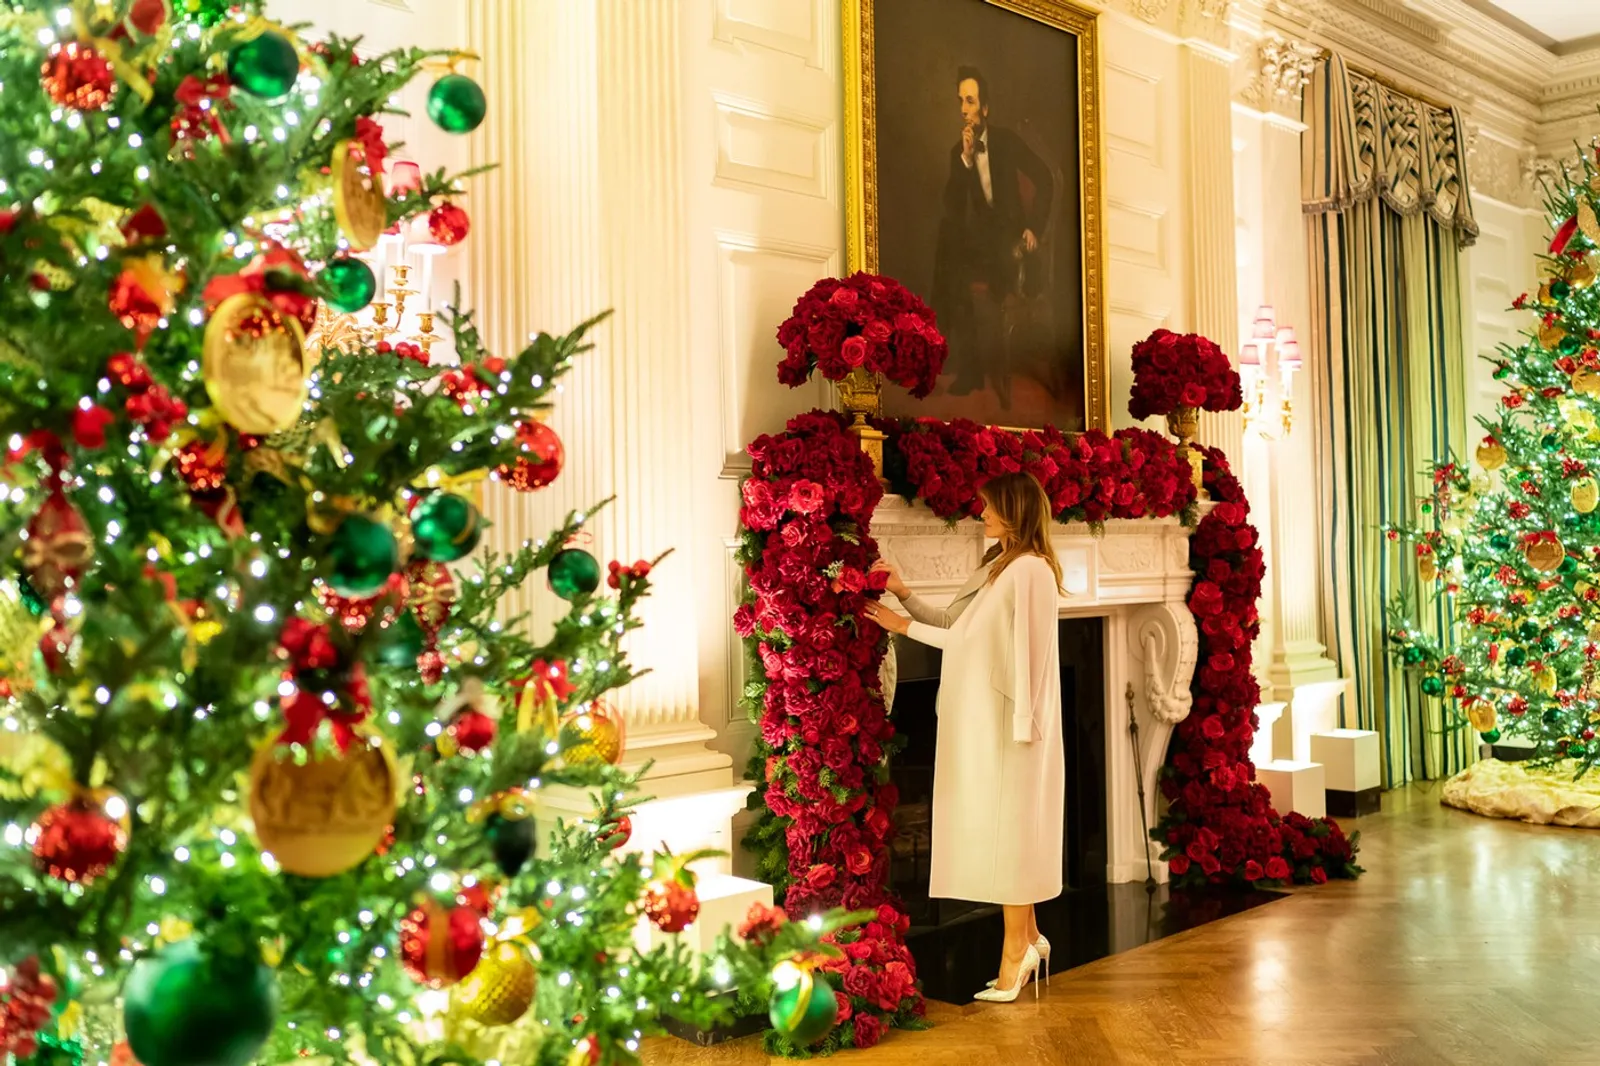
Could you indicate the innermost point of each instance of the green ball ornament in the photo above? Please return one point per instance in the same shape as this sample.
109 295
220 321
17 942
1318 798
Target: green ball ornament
264 66
1490 736
1516 656
1550 442
456 104
1569 345
802 1011
348 284
574 573
1551 717
1568 565
401 642
1500 542
1528 631
1559 289
362 553
1576 750
445 527
1413 656
186 1008
1433 686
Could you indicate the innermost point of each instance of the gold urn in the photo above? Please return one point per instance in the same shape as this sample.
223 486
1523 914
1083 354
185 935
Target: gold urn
1184 423
860 393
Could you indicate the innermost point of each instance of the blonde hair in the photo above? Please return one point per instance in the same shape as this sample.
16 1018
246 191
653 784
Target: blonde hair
1023 508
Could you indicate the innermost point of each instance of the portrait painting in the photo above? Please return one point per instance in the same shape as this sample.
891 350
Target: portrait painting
973 167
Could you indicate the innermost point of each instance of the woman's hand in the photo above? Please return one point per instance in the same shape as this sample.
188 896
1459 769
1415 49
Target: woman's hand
895 585
894 623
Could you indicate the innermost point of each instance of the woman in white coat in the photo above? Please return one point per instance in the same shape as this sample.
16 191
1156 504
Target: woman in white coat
999 784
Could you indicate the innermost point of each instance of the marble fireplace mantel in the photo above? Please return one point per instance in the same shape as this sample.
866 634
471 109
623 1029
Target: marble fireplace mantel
1136 576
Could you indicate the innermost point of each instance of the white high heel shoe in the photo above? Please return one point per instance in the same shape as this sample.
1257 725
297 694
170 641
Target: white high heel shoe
1042 946
1030 965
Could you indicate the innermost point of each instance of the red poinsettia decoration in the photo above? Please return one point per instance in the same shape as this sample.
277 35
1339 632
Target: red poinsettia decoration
1173 370
862 321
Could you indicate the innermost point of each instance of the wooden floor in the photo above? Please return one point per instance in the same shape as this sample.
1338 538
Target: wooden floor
1468 941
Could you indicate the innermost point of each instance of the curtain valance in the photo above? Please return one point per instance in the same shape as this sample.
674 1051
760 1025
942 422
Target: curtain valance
1369 140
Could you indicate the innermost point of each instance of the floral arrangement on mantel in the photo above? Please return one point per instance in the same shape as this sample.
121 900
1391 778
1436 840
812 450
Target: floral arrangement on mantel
1179 375
858 331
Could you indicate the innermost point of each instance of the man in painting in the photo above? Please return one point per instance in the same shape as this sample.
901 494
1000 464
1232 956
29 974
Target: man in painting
989 267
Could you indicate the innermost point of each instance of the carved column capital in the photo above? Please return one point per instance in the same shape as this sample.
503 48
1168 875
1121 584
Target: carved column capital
1281 69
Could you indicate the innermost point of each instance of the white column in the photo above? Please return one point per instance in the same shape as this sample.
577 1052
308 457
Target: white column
586 213
1213 250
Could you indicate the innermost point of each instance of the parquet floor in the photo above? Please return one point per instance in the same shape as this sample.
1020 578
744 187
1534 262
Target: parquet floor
1468 941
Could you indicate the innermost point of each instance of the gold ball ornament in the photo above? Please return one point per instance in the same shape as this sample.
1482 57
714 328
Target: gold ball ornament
1581 276
1545 555
1585 495
500 989
324 814
1491 454
359 205
254 364
1427 567
601 735
1545 680
1481 715
1550 334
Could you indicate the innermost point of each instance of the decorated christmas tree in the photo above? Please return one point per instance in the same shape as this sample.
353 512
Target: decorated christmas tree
1507 630
270 755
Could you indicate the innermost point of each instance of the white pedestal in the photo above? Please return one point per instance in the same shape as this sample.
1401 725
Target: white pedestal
724 902
1267 716
1349 758
1313 708
1295 786
681 824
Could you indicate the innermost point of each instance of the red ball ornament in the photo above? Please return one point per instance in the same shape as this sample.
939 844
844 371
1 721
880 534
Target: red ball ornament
59 546
147 16
203 467
473 730
671 904
448 224
26 1003
77 76
78 841
439 947
430 667
617 832
540 462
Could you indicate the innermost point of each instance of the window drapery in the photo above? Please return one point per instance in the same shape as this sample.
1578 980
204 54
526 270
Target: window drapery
1388 208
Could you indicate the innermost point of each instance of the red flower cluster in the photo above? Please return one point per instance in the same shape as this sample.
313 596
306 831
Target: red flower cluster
862 321
317 669
1089 476
198 115
1220 824
148 404
26 1005
473 381
1172 370
823 727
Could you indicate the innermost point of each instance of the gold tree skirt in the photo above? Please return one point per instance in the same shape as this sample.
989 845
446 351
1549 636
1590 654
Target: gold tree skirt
1550 796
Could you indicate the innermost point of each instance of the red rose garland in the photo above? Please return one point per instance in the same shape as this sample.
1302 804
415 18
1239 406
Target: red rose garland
824 733
1220 824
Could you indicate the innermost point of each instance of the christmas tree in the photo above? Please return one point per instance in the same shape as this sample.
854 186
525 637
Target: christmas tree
270 757
1508 551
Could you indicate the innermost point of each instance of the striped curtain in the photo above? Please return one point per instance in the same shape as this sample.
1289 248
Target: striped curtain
1387 208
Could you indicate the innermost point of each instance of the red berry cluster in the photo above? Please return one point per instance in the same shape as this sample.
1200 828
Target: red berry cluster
25 1008
405 350
148 404
472 381
640 569
203 467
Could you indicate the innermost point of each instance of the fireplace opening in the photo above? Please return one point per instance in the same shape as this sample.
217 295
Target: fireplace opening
957 944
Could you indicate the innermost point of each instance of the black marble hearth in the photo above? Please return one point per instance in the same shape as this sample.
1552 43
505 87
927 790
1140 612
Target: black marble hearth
957 944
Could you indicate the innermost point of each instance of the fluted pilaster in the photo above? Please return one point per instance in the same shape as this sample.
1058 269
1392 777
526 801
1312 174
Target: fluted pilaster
1213 251
585 214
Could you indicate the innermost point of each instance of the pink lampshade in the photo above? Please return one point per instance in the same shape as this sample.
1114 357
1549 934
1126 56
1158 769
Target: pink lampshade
1265 324
1249 355
405 178
1289 355
1285 335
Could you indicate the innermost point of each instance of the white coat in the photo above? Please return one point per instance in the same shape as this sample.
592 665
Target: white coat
999 778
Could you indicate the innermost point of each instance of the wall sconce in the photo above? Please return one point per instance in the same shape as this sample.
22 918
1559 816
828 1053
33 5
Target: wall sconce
1269 411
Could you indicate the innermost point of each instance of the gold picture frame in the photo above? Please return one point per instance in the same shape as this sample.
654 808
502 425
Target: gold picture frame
861 166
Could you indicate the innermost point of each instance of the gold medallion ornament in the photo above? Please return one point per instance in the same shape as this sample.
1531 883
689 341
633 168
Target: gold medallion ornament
1427 568
1550 334
322 814
1588 224
1585 495
1546 680
1581 276
1545 552
359 205
254 365
500 989
1481 715
1491 454
1585 381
